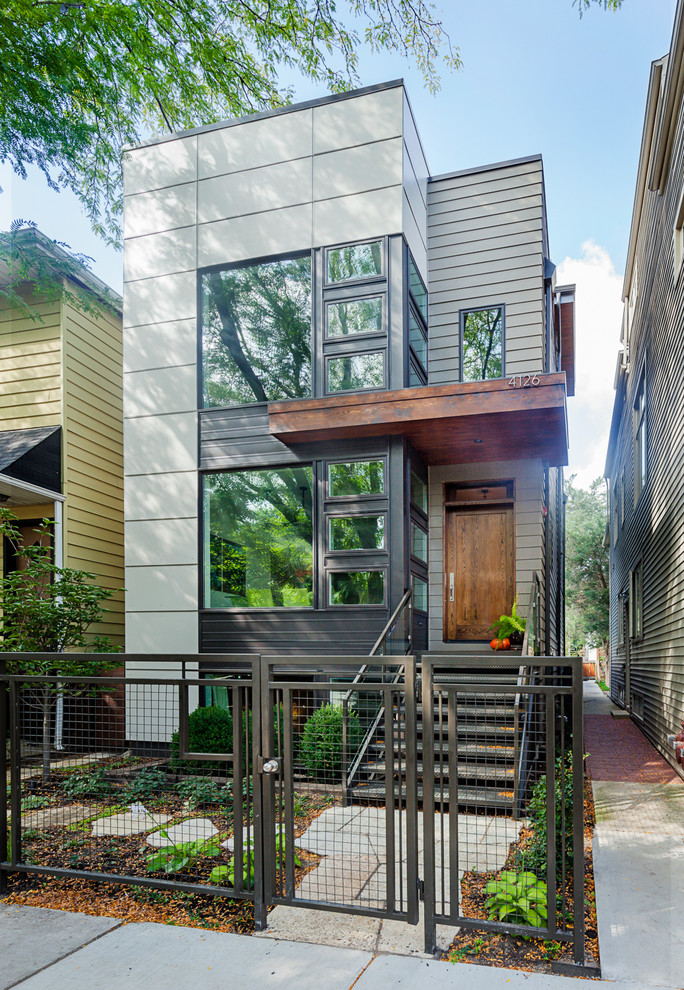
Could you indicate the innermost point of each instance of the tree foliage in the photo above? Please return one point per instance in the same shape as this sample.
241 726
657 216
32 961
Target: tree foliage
586 565
80 79
48 609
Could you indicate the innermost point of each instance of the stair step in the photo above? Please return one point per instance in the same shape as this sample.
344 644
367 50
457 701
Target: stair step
484 750
466 771
500 799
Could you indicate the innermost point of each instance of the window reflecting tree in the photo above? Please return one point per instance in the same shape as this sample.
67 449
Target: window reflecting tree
256 333
260 539
482 351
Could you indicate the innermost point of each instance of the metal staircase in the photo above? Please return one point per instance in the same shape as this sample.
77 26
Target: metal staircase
490 766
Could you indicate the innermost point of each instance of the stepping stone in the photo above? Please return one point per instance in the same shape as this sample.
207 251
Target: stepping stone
128 824
192 830
56 816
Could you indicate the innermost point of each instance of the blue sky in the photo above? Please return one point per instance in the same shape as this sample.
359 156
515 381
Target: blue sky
535 78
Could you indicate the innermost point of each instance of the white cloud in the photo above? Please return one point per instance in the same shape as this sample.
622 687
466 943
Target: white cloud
598 315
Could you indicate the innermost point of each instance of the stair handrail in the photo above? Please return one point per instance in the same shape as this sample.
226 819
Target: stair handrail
526 675
348 775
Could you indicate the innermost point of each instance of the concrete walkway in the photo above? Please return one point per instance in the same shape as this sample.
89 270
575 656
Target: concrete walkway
638 849
55 950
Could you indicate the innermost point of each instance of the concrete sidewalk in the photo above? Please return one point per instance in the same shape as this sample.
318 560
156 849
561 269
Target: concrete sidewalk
56 950
638 849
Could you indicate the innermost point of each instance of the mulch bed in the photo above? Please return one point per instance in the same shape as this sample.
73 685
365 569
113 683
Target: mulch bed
71 846
484 948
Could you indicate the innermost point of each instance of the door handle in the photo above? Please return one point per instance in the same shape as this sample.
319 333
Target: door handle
451 586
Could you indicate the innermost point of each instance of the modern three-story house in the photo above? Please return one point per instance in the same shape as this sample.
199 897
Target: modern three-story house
343 378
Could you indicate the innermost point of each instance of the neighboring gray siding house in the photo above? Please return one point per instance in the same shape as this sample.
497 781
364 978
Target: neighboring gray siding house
343 378
645 468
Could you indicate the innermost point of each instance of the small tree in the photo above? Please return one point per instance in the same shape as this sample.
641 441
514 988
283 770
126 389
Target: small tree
48 609
586 565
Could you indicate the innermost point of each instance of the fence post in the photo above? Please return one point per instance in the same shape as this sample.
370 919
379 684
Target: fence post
578 811
3 772
259 784
15 773
429 805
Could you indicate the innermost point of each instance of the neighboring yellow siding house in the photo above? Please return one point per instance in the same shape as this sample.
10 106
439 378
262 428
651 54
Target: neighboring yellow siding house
61 432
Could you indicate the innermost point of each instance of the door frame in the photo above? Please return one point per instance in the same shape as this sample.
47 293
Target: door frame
450 505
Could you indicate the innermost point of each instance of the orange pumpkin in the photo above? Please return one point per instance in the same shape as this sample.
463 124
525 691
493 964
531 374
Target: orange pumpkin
497 644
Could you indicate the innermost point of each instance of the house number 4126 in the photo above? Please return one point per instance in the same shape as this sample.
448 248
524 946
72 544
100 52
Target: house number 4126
523 381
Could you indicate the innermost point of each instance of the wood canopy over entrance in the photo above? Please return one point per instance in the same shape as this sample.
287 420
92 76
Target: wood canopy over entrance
504 419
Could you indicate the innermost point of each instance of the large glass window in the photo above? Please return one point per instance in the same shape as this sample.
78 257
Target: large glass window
358 371
419 493
417 339
256 332
357 587
356 316
258 538
356 532
354 261
356 478
482 344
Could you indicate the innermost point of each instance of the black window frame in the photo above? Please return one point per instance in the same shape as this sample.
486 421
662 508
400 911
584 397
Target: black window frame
253 263
463 313
636 602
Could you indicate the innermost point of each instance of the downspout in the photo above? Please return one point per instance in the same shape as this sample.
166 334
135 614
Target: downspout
59 562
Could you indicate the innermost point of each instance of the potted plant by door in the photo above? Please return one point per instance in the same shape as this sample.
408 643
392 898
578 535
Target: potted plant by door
509 629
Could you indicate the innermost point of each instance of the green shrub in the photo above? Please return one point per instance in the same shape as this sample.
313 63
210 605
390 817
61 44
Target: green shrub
535 855
210 730
321 743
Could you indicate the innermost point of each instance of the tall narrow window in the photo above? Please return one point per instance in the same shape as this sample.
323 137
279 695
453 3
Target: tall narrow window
258 538
636 597
640 438
256 332
482 342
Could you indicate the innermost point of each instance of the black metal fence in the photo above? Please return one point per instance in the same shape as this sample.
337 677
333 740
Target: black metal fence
299 781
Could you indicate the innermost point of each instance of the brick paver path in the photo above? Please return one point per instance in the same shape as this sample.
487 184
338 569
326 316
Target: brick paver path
619 751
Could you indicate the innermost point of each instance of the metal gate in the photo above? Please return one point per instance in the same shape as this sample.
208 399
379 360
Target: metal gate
340 743
502 808
335 778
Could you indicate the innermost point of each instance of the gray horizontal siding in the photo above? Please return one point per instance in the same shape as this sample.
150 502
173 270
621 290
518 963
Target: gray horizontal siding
485 236
292 631
653 530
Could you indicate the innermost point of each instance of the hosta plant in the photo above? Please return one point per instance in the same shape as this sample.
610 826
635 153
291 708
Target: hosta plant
519 898
177 857
225 874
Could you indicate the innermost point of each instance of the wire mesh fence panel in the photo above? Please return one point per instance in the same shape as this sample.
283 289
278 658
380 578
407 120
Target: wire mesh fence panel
501 806
342 804
144 780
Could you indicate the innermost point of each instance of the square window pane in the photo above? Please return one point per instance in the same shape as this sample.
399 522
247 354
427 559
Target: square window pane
354 261
258 543
357 316
356 478
420 593
346 374
356 532
419 543
357 588
419 494
482 352
418 340
417 289
256 333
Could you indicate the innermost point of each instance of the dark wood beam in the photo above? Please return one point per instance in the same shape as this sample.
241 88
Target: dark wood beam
448 424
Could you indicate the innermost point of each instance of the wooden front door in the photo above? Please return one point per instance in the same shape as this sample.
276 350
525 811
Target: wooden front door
479 575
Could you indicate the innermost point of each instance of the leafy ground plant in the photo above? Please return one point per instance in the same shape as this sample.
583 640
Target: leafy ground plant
202 791
146 784
85 783
225 874
518 898
176 857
